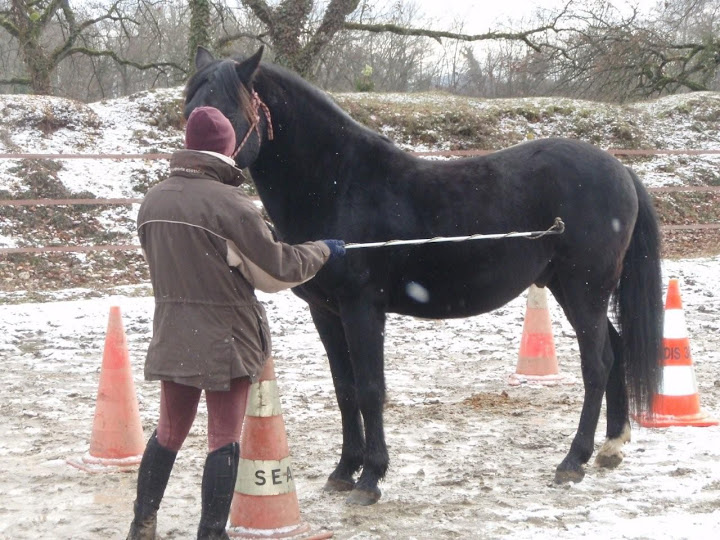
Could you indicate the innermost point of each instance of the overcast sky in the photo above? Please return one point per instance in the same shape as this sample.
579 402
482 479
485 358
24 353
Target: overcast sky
480 16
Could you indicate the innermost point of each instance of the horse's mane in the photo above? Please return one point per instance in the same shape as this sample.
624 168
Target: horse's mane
294 83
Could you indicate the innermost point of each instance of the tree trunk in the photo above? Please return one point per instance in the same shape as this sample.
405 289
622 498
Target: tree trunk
38 65
199 29
39 70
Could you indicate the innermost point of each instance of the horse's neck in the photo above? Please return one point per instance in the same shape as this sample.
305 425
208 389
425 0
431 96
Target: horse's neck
299 174
287 206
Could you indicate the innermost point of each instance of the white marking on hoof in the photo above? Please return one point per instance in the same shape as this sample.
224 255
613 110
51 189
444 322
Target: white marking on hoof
610 454
626 433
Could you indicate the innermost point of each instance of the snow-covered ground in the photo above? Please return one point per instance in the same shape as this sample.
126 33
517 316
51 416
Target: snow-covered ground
471 456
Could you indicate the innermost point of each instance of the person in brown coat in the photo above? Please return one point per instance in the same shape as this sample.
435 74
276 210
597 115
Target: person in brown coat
208 249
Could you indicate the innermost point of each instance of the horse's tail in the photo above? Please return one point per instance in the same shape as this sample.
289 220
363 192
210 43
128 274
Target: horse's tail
639 305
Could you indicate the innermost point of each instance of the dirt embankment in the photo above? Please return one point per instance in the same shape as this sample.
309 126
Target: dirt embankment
418 122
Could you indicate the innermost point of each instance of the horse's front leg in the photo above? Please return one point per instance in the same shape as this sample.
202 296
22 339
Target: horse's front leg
364 324
332 335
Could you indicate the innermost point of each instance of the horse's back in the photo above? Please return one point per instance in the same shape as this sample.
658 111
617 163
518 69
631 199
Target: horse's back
524 187
591 190
573 168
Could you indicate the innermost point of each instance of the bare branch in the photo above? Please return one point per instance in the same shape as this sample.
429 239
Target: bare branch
17 80
49 11
122 61
439 34
8 25
62 51
225 40
261 10
333 21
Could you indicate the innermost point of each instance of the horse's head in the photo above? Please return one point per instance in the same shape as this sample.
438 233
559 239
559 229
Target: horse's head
227 86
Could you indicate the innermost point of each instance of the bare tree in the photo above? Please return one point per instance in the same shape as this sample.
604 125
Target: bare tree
160 30
298 39
608 55
297 43
364 61
500 72
94 49
48 32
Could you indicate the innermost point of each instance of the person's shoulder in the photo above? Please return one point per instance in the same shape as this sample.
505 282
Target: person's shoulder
233 206
153 191
237 197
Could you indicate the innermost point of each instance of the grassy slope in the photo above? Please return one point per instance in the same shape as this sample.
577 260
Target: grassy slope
151 122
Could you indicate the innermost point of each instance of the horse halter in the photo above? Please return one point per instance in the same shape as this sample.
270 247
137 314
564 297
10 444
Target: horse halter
257 104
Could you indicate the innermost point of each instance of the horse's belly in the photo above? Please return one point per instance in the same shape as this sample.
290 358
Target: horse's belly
441 303
435 292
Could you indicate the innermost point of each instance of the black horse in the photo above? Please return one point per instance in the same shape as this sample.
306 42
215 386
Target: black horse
320 174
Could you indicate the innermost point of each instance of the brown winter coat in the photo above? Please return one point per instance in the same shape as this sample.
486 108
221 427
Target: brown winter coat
208 249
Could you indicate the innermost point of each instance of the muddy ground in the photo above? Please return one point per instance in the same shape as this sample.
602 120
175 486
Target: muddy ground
471 456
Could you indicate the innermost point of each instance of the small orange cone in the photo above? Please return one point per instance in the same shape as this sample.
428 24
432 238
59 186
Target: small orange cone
677 402
265 504
117 441
537 362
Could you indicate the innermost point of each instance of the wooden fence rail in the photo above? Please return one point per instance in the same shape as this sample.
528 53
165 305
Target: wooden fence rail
67 202
449 153
439 153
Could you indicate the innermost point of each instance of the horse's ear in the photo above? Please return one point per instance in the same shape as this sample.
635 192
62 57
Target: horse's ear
247 68
203 57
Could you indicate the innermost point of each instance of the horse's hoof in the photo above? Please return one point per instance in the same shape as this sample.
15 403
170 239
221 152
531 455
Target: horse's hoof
334 485
610 454
563 476
608 461
363 497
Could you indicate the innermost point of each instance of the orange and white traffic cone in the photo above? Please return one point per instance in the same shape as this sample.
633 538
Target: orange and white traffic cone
537 362
677 402
117 442
265 503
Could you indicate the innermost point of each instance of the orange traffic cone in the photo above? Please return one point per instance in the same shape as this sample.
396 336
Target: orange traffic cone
117 441
265 504
537 362
677 402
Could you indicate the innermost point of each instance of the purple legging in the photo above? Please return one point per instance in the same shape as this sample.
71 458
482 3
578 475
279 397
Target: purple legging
178 407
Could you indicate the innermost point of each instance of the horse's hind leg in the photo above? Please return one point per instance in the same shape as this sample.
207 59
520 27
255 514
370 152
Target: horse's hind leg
618 424
587 311
332 335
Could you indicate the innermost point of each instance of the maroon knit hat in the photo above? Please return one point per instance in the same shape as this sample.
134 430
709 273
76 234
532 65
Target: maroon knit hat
208 129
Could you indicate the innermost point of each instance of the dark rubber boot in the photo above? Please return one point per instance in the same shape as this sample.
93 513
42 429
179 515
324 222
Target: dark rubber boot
218 485
153 474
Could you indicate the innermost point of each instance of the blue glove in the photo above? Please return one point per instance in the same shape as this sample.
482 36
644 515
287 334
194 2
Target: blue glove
337 248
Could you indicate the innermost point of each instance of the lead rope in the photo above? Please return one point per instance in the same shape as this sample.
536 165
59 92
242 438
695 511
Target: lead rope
558 227
257 104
